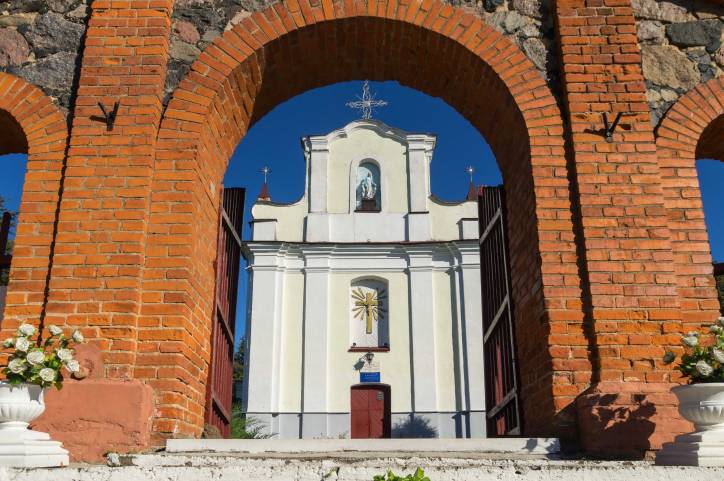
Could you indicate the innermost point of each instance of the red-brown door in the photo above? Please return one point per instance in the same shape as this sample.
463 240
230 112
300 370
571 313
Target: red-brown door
220 384
370 412
501 371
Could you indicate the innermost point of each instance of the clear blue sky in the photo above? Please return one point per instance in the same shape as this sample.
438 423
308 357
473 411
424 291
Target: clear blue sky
275 141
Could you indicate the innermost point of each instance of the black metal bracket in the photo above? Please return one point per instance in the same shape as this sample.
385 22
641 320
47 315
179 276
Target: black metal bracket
608 130
108 117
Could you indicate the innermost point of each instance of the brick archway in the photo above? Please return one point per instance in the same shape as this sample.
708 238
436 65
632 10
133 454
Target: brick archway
692 129
292 47
31 123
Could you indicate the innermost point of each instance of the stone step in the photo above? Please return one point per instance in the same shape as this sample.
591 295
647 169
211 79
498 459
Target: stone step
345 467
536 447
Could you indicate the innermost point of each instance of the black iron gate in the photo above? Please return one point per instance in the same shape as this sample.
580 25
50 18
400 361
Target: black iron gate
220 385
501 375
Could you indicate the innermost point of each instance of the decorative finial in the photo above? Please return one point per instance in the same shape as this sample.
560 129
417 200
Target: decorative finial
266 171
367 102
472 192
470 170
264 194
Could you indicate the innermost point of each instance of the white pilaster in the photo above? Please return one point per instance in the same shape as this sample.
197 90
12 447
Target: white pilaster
422 329
472 322
264 331
318 152
419 154
316 307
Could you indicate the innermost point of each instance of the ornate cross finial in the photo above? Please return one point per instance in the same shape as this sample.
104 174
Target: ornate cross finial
470 170
472 192
367 102
264 194
266 171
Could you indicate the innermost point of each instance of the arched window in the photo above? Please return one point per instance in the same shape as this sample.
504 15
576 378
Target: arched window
368 314
369 187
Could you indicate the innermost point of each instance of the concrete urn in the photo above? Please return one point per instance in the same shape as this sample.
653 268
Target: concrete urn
703 405
20 446
19 406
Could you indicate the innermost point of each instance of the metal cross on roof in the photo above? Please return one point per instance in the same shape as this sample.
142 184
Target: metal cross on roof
470 170
266 171
367 102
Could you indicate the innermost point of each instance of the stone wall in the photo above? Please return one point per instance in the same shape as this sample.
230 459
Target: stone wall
40 41
197 22
681 43
681 40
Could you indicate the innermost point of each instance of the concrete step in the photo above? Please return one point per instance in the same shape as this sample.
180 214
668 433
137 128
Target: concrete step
360 466
530 447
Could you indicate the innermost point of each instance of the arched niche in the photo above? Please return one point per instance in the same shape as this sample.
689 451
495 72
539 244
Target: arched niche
369 323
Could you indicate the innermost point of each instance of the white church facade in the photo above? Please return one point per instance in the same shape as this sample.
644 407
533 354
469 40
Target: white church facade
363 312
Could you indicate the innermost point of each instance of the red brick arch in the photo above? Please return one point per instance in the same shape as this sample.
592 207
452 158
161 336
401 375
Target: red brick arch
292 47
31 123
692 129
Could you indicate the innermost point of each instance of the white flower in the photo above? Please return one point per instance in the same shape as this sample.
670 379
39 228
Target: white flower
720 321
55 330
715 329
35 357
718 354
22 344
47 374
16 366
690 341
9 342
692 334
72 365
64 355
26 330
77 336
703 368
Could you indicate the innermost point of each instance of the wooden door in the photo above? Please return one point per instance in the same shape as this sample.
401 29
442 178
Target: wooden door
501 374
220 385
370 416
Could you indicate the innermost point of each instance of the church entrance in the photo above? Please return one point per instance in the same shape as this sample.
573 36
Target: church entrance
370 411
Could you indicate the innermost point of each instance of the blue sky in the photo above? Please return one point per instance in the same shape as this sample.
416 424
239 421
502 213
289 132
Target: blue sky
274 141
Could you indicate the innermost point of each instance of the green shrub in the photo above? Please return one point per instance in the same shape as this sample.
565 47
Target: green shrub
244 427
390 476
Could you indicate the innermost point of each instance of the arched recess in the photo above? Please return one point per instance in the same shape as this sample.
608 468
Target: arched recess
31 123
692 129
432 47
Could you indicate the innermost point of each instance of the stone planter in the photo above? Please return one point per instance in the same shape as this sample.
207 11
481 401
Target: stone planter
703 405
20 446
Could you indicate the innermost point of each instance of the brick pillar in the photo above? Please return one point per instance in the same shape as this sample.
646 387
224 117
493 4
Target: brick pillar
627 259
96 278
99 254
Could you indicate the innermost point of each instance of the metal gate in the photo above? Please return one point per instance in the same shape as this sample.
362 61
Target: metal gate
220 386
501 375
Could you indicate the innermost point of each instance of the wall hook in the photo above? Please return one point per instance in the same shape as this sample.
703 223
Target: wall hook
608 130
108 117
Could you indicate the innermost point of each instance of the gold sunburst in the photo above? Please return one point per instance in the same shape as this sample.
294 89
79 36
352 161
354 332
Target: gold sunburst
368 306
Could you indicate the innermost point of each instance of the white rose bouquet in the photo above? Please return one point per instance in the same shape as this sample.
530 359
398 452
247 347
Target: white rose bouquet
702 363
41 362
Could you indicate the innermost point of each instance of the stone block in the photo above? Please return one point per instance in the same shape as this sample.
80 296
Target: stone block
95 416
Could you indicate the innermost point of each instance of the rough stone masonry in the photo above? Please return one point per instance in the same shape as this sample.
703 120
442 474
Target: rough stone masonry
681 41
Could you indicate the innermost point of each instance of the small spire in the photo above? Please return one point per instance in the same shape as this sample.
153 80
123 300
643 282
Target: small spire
264 193
472 191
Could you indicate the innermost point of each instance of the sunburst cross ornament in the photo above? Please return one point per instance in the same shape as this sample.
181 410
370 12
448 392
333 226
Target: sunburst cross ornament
368 306
367 103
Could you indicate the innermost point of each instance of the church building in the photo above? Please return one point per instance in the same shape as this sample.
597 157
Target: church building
364 308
